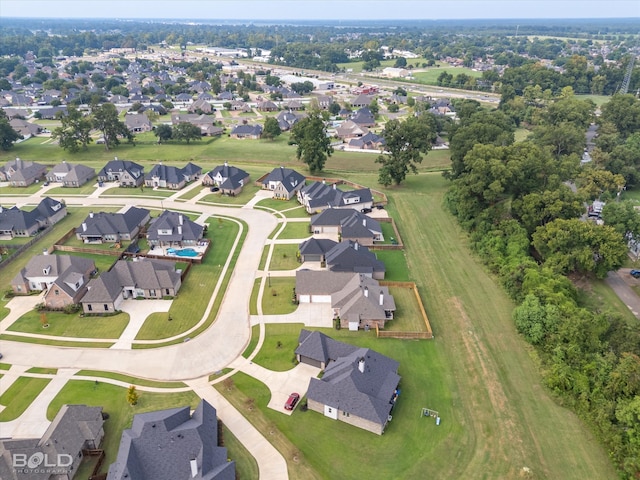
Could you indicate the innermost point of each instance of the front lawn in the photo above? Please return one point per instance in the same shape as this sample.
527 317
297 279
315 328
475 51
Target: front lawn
247 193
61 324
293 230
277 296
281 339
20 395
128 379
16 191
284 257
86 189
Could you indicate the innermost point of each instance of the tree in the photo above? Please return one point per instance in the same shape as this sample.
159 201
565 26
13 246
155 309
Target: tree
186 132
334 108
593 183
271 128
314 147
405 143
105 119
563 139
374 107
393 108
164 132
7 134
569 246
401 62
75 130
537 209
623 217
132 395
623 111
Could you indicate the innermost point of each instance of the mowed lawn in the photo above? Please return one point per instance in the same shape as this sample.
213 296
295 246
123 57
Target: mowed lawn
71 325
19 396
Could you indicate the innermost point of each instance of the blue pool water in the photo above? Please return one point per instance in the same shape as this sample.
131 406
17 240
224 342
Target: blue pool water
185 252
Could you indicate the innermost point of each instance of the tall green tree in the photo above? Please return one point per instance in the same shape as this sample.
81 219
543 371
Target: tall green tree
75 130
271 128
163 132
623 111
185 132
105 119
623 217
310 136
569 246
405 143
7 134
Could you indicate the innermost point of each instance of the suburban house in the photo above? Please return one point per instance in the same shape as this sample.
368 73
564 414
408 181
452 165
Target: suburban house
356 299
71 174
173 178
68 274
287 119
146 278
74 429
318 196
21 223
246 131
344 256
359 386
104 227
204 122
347 224
349 129
201 106
363 118
125 172
368 141
267 106
362 100
173 229
228 179
24 127
20 173
284 182
138 123
173 444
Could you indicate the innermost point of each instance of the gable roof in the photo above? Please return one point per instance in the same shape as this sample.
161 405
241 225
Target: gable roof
104 223
318 194
352 222
121 166
363 117
231 176
170 174
350 256
55 266
180 226
74 171
163 444
290 179
146 274
316 246
247 130
12 219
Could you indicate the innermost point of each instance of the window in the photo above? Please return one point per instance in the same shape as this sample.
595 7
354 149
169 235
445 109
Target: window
106 307
56 292
167 291
18 288
90 308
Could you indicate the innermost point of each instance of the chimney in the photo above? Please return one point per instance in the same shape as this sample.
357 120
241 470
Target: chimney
381 298
355 246
361 365
115 158
335 186
45 251
179 229
180 219
364 222
366 291
90 214
226 164
194 468
324 182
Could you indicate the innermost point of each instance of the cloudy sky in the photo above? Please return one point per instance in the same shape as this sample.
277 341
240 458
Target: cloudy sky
321 10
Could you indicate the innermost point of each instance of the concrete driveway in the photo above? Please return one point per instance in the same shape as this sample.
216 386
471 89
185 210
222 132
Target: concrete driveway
18 306
138 311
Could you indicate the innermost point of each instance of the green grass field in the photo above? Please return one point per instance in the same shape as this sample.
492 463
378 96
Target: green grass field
72 325
277 298
19 396
295 230
430 76
284 257
131 380
407 317
277 350
103 262
395 263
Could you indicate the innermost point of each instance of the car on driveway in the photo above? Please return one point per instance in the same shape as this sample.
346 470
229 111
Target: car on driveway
635 273
292 401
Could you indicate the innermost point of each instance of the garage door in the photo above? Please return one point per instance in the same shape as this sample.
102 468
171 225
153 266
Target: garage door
320 298
305 298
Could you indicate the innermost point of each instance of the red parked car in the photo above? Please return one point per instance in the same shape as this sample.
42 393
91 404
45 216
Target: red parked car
292 401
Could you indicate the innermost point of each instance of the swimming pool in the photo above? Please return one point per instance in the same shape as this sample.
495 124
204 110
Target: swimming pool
184 252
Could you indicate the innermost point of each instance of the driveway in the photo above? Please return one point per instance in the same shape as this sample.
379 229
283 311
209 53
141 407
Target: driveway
138 311
624 291
310 314
18 306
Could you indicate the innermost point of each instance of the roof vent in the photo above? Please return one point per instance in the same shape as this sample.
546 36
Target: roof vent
194 467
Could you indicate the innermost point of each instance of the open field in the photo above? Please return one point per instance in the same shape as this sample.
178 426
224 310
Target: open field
431 74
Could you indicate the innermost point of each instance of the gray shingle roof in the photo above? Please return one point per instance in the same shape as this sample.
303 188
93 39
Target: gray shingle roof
352 223
120 166
180 226
162 444
289 178
318 194
104 289
12 219
54 265
107 223
231 176
316 246
350 256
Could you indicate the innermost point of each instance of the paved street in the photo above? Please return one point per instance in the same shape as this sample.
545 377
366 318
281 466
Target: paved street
624 291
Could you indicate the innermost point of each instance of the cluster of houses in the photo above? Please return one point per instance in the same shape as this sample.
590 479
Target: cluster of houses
71 280
173 443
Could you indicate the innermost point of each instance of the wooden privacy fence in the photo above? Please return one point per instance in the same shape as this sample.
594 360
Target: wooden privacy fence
423 313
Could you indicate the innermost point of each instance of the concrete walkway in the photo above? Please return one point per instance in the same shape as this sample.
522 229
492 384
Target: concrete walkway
310 314
138 311
271 464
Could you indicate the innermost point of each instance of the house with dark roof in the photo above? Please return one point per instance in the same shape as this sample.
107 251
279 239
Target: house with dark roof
173 178
284 182
315 249
103 227
138 122
173 444
359 386
45 272
368 141
21 173
75 429
363 118
267 106
201 106
350 256
15 222
246 131
229 179
24 127
145 278
357 299
71 174
287 119
318 196
125 172
347 224
362 100
348 129
172 229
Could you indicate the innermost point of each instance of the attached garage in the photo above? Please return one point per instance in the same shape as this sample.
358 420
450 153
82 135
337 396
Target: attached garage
304 298
320 298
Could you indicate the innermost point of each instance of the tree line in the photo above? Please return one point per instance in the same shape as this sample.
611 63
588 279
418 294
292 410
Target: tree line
524 204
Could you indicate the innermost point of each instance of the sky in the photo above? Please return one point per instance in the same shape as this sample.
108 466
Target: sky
320 10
